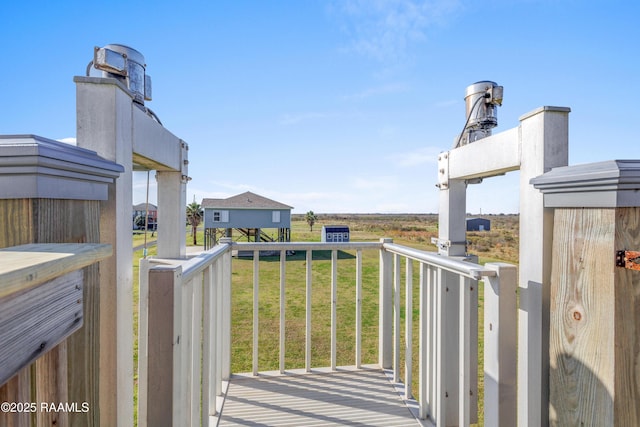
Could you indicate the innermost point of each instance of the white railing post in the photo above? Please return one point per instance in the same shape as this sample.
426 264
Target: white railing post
440 362
424 347
196 348
186 344
500 367
256 301
359 308
143 330
408 334
308 287
396 318
208 347
334 303
218 276
165 398
283 273
226 311
385 334
464 356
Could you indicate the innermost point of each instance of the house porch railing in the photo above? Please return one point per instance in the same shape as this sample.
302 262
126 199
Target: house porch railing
185 329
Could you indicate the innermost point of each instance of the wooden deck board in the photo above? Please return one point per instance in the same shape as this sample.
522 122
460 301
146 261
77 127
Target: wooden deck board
356 398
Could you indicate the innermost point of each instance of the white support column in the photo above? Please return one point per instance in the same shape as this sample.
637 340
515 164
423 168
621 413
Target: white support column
104 122
452 208
537 145
172 216
544 145
110 123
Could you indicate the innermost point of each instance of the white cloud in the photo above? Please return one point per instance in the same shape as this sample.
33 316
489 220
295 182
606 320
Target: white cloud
384 29
420 156
70 140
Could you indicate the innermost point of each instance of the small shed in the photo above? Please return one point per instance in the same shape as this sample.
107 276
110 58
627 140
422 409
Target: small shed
478 224
335 233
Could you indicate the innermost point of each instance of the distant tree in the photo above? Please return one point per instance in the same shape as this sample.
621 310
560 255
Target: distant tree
140 222
311 219
194 218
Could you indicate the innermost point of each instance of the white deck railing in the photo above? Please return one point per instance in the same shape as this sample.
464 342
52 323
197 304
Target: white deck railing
184 338
184 349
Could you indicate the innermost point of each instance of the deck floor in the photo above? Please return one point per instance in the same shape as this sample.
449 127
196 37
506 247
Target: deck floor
340 398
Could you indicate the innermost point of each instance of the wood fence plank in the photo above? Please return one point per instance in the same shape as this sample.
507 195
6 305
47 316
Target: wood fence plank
35 321
25 266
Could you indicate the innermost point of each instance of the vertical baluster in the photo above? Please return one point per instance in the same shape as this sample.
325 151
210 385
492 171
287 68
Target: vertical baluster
385 327
256 286
308 284
408 334
432 331
334 298
283 261
226 319
359 308
208 347
186 341
196 348
396 318
219 329
440 402
464 346
424 359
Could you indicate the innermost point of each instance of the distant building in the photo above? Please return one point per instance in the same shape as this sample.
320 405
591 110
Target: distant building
248 214
478 224
335 233
140 210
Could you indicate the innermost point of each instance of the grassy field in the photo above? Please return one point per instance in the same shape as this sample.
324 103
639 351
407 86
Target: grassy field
501 243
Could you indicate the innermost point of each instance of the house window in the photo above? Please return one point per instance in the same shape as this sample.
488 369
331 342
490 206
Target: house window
220 216
275 216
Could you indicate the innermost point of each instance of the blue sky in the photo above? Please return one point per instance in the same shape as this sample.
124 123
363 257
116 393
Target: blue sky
334 106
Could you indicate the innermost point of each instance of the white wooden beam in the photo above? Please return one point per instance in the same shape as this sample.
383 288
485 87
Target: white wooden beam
490 156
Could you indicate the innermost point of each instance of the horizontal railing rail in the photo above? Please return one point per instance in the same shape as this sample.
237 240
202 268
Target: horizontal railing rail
199 296
452 264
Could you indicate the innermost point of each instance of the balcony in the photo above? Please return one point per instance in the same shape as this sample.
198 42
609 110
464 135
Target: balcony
577 300
185 338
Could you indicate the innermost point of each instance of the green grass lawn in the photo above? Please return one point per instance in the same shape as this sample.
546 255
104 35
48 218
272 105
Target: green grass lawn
414 231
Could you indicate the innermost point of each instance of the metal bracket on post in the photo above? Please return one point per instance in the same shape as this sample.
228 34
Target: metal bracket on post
446 244
628 259
443 171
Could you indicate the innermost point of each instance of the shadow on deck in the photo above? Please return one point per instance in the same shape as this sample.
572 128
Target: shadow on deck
346 397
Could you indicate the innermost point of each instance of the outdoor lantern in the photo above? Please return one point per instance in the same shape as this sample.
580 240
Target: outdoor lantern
127 65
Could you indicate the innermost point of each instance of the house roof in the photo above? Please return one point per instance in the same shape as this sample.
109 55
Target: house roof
143 207
246 200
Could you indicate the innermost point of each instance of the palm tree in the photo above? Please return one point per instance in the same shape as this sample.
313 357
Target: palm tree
311 219
194 218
